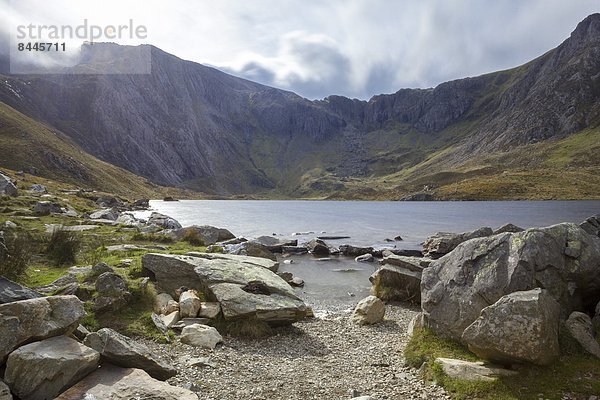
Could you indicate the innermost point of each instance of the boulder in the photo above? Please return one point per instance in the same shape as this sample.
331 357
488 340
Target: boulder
456 287
508 228
520 327
179 325
109 201
125 352
67 284
37 319
354 251
101 268
209 310
296 282
228 279
173 272
579 327
110 214
318 247
592 225
365 258
112 292
115 383
208 234
189 304
472 371
444 242
203 336
129 220
368 311
11 291
275 308
253 249
42 370
275 245
163 221
46 208
392 282
7 187
5 392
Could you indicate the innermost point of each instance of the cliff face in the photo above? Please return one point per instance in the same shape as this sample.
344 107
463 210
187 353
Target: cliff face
190 125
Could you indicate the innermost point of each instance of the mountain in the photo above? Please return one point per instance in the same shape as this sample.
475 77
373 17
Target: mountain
528 132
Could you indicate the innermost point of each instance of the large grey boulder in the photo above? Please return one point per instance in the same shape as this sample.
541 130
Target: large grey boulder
393 282
208 234
36 319
579 327
519 327
125 352
562 258
173 272
115 383
42 370
11 291
7 187
163 221
444 242
244 286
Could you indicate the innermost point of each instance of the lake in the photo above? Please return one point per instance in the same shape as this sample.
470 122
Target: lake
367 223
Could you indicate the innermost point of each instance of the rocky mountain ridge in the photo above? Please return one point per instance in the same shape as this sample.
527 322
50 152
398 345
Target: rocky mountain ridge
189 125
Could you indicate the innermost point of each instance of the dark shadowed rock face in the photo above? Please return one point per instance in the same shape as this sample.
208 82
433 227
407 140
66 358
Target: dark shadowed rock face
191 125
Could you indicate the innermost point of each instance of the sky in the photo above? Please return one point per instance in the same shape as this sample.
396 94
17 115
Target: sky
316 48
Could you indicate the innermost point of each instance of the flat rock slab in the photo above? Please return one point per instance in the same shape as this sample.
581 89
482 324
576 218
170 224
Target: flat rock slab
114 383
73 228
11 291
126 352
472 371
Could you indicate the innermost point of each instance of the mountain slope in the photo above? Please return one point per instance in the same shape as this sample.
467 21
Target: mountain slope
193 126
26 144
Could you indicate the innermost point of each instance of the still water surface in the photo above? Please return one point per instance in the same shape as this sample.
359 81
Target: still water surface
367 223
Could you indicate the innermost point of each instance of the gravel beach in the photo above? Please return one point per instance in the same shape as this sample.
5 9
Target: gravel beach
320 358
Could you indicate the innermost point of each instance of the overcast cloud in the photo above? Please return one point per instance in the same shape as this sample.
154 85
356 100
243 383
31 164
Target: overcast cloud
356 48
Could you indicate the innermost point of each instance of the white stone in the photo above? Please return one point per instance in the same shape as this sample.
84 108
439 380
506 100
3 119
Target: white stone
201 336
369 310
189 304
209 310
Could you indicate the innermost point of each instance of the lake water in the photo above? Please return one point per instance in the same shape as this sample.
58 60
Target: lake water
367 223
